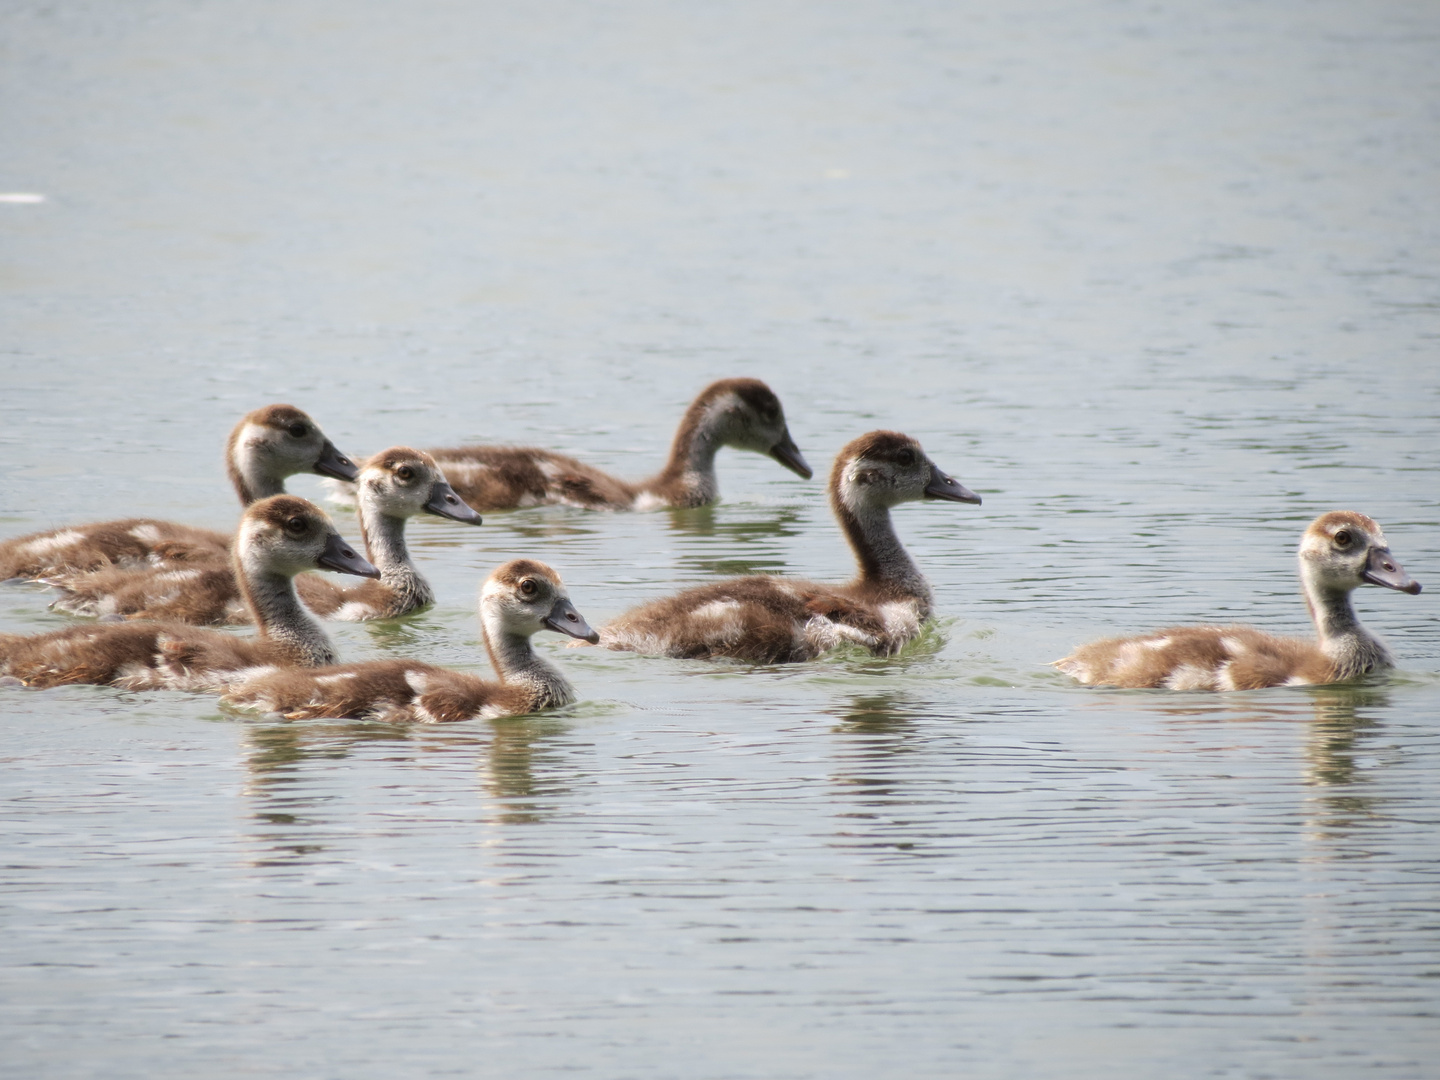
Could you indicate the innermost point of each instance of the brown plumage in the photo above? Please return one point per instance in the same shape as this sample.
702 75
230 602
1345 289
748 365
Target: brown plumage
265 447
394 485
741 413
771 619
517 600
278 538
1339 552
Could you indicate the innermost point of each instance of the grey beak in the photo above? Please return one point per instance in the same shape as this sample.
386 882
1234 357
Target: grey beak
947 487
333 463
445 503
342 558
788 454
564 618
1382 568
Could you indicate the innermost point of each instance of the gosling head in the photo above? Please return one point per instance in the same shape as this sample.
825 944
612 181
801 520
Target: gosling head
288 535
281 440
401 482
746 414
1343 550
885 468
524 597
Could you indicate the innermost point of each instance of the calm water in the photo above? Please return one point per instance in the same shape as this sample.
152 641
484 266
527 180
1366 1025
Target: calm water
1161 285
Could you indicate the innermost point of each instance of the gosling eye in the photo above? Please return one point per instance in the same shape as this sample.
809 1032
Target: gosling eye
1343 538
528 586
296 526
405 472
906 457
298 429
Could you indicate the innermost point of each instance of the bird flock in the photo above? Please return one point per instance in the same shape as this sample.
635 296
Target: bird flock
154 592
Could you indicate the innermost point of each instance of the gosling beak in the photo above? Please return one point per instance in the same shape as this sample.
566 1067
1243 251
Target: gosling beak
333 463
445 503
564 618
1382 568
341 557
948 488
788 454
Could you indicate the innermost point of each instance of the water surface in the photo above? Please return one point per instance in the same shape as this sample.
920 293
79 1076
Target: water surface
1160 285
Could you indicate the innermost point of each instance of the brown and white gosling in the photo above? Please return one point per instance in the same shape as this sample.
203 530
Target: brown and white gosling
517 600
741 413
278 538
770 619
1339 552
394 485
264 448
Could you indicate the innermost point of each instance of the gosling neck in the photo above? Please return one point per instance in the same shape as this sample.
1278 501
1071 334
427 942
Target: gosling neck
885 565
688 478
252 477
279 615
516 662
1352 649
384 538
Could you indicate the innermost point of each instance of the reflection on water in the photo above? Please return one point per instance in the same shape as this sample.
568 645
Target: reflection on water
403 636
542 523
882 719
1010 230
716 521
523 778
282 794
722 537
876 732
1346 718
289 778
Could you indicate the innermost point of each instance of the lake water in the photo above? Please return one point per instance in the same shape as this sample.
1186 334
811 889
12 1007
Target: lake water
1159 283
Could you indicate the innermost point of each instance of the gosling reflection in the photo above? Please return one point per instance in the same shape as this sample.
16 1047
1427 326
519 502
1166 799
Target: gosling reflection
876 733
540 523
406 634
712 522
288 793
1339 720
521 774
1343 723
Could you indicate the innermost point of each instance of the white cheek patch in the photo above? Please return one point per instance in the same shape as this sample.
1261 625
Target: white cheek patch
715 413
850 485
254 437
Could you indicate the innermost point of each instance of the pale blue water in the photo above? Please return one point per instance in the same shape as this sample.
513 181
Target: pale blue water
1159 284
